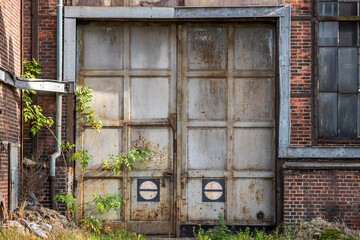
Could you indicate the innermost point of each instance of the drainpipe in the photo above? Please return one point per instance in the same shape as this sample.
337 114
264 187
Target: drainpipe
57 153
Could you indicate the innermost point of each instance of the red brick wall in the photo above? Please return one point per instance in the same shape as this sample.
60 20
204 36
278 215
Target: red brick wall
10 59
301 103
10 33
301 83
329 194
44 36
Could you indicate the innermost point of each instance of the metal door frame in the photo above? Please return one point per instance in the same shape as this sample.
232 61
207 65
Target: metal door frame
281 13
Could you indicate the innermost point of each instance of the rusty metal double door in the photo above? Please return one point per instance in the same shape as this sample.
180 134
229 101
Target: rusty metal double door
206 90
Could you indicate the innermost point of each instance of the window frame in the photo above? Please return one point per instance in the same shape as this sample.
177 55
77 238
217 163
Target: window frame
315 20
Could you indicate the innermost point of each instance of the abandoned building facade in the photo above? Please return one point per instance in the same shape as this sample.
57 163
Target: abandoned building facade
251 108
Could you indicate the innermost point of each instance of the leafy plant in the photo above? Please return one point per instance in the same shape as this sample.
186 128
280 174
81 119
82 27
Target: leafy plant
66 146
107 203
126 160
93 223
69 200
32 112
31 68
83 156
221 231
84 96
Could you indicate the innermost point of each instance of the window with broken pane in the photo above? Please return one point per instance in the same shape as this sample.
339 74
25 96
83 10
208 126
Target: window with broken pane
338 69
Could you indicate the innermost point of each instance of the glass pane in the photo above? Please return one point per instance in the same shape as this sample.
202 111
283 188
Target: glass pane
348 69
348 9
328 68
358 119
328 32
348 33
327 114
347 107
359 70
328 8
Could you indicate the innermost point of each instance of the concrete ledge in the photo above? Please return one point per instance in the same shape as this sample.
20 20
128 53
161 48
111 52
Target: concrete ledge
319 152
322 165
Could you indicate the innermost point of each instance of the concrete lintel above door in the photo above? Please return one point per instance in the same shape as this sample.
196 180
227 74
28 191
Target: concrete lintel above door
173 13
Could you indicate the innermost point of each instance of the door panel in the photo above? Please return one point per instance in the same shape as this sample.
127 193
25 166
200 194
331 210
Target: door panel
146 93
207 99
228 123
134 94
14 175
206 148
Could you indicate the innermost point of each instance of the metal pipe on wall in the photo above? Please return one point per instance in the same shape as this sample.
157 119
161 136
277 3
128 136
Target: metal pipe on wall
57 153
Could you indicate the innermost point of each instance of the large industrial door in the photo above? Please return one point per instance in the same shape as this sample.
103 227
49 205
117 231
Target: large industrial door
132 70
228 121
211 84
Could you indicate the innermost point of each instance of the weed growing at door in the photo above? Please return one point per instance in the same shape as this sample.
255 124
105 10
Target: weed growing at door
71 203
126 160
317 228
84 96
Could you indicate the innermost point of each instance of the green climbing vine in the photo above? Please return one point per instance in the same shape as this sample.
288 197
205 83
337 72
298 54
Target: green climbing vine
126 160
84 96
32 68
33 113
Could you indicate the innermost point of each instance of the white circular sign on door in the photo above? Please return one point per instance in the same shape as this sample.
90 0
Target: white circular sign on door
148 190
213 190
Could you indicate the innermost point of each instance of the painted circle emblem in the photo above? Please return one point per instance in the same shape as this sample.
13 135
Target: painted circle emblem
213 190
148 190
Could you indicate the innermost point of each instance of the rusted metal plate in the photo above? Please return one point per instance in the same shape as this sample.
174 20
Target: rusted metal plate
151 210
107 96
206 48
100 145
101 187
101 47
159 140
152 51
207 149
253 149
149 98
207 99
197 209
253 201
254 47
254 99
